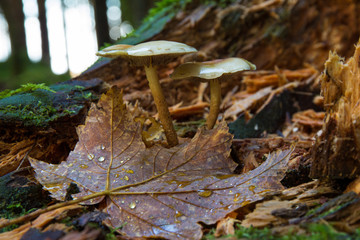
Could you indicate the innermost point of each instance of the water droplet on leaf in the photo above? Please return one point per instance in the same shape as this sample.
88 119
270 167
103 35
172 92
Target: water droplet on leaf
83 166
132 205
101 159
204 193
178 214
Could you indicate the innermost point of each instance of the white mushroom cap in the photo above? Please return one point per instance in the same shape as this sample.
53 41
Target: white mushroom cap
114 51
216 69
153 52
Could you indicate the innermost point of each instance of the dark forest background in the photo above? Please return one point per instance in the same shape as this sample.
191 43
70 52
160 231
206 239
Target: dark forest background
19 69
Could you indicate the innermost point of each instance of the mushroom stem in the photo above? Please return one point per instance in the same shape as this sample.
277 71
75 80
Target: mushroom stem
161 105
215 99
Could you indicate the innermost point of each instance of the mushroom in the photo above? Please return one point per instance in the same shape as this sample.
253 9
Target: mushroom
149 55
213 72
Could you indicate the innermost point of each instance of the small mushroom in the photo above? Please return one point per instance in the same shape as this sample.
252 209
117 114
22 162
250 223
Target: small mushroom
149 55
213 72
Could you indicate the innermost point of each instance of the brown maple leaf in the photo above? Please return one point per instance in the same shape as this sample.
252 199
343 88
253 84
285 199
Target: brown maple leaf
156 192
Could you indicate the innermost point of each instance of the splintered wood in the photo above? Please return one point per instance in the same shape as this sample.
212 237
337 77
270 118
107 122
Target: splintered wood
336 152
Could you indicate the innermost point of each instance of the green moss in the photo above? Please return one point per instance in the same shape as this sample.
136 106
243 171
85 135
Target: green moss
176 5
17 196
29 87
39 114
38 105
155 21
168 5
314 231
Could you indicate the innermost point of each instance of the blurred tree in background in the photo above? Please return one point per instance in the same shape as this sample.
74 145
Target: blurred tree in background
101 22
14 15
44 32
19 68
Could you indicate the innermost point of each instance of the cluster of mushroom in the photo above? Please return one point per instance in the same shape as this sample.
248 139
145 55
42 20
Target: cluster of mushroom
151 54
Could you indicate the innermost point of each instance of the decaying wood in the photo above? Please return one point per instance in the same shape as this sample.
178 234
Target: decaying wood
279 33
336 152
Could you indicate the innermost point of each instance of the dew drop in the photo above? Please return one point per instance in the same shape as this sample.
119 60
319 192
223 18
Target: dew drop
102 147
204 193
126 178
132 205
101 159
178 214
83 166
117 175
129 171
90 156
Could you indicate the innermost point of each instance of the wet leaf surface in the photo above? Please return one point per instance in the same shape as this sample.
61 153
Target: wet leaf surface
156 191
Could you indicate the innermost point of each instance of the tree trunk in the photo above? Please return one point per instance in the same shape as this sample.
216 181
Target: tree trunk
101 22
44 32
13 11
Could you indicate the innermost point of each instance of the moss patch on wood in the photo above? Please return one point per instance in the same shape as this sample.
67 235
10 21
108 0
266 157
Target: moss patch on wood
39 105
